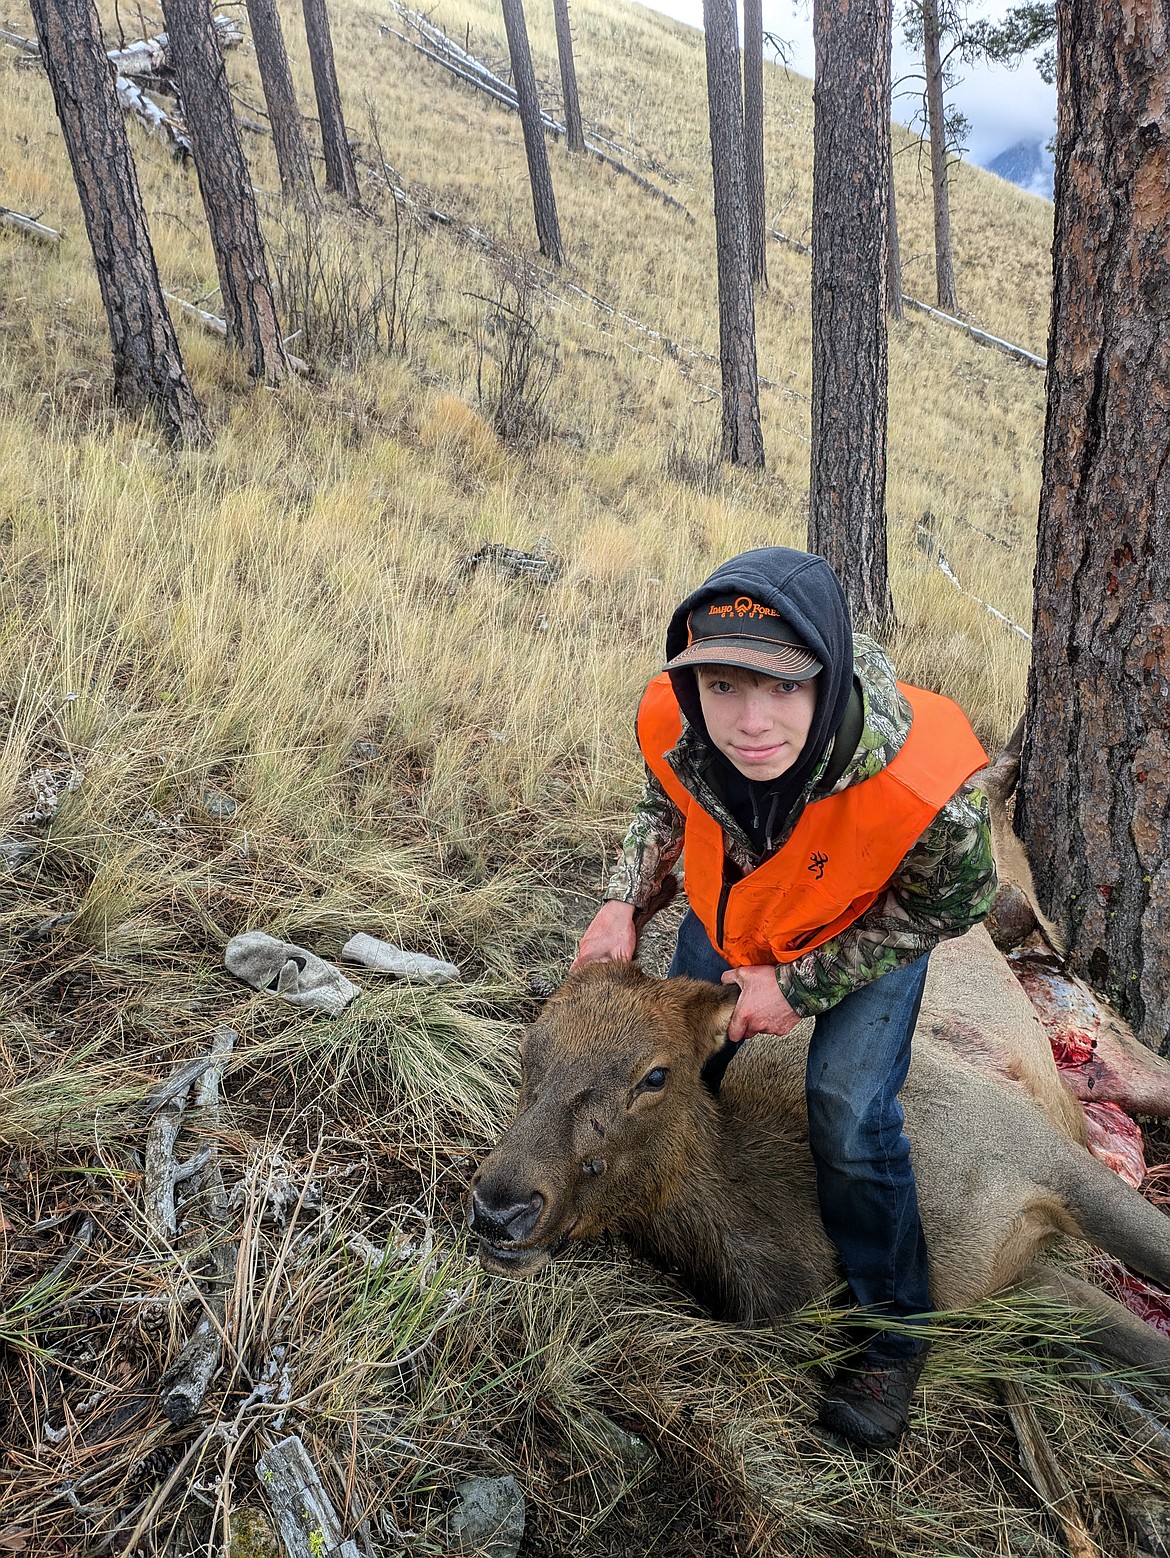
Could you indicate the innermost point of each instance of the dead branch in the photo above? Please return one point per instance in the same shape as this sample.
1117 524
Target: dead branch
1044 1472
159 1182
980 337
305 1517
29 226
187 1381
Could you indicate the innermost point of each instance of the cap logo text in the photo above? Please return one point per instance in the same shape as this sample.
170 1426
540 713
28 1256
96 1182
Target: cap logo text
742 606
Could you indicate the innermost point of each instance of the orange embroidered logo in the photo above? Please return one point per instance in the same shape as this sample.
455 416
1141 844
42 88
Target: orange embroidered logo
742 606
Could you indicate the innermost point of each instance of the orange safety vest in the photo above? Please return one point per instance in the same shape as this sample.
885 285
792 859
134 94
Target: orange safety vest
843 850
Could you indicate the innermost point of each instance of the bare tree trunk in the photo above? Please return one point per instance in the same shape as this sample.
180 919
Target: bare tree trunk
288 134
544 204
893 252
753 139
340 173
851 203
742 440
574 130
148 367
224 183
944 263
1094 799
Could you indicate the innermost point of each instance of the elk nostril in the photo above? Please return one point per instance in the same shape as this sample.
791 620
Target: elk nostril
508 1219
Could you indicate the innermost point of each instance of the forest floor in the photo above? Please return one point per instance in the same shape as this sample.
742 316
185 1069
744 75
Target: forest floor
268 685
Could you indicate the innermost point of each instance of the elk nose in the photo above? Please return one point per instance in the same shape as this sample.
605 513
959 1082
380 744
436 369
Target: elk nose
504 1219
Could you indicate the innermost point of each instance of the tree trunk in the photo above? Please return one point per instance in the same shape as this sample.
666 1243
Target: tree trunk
753 139
288 134
574 131
224 183
944 263
148 367
1094 799
851 203
893 251
742 441
340 174
544 205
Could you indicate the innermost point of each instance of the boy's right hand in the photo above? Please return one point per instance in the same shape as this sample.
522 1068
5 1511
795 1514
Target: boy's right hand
610 938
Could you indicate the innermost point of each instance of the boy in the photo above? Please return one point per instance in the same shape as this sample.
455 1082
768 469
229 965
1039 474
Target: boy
831 843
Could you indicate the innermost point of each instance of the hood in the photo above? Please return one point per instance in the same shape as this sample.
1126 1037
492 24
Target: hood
806 592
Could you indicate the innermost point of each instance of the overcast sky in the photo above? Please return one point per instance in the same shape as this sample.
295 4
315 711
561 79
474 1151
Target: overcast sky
1003 106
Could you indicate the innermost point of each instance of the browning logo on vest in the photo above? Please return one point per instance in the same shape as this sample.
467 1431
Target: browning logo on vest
843 850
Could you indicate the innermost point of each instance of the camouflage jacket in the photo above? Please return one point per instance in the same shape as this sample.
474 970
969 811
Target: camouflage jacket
944 885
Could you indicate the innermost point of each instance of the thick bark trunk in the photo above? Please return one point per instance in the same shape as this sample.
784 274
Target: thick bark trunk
944 263
742 439
148 367
753 138
851 202
544 204
288 133
893 252
340 174
574 130
224 183
1094 800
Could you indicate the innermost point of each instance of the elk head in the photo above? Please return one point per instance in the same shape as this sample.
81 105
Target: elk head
612 1113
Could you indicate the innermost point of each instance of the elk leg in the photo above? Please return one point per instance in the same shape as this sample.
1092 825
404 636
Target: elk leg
1123 1071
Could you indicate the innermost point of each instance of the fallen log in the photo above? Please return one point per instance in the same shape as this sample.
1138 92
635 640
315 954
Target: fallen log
151 58
447 54
29 226
980 337
214 325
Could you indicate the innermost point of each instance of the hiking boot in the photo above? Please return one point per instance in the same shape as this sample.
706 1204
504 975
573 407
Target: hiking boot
868 1401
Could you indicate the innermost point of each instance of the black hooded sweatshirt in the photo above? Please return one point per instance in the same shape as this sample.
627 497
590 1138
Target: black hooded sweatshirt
807 594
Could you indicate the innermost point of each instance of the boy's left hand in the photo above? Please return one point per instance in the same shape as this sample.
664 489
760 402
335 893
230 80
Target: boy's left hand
761 1007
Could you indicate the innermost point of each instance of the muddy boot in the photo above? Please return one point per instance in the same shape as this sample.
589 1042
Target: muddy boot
868 1401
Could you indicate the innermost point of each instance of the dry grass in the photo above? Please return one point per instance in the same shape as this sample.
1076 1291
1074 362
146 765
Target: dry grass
256 687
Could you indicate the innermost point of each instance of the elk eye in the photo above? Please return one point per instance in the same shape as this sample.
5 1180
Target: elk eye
654 1081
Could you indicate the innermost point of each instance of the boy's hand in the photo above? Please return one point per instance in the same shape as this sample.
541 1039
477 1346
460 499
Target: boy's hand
610 938
761 1007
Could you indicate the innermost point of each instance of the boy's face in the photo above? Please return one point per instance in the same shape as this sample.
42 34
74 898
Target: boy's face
758 723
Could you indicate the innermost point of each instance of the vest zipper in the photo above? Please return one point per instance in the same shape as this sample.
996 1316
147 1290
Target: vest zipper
724 894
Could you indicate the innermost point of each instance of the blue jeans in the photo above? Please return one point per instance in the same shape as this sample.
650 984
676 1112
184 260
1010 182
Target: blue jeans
857 1061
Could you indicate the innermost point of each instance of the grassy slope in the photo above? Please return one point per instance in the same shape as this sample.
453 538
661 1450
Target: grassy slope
421 754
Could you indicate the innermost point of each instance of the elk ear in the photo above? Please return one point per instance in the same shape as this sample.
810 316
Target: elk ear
709 1008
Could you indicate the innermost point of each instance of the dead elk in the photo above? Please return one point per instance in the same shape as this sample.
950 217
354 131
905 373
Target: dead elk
617 1131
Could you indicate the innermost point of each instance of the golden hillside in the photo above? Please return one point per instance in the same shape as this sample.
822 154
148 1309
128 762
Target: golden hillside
258 687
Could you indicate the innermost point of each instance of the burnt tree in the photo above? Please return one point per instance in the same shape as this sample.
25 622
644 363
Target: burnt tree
288 133
340 173
742 441
544 205
574 130
753 138
851 173
226 188
944 264
1094 799
148 367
